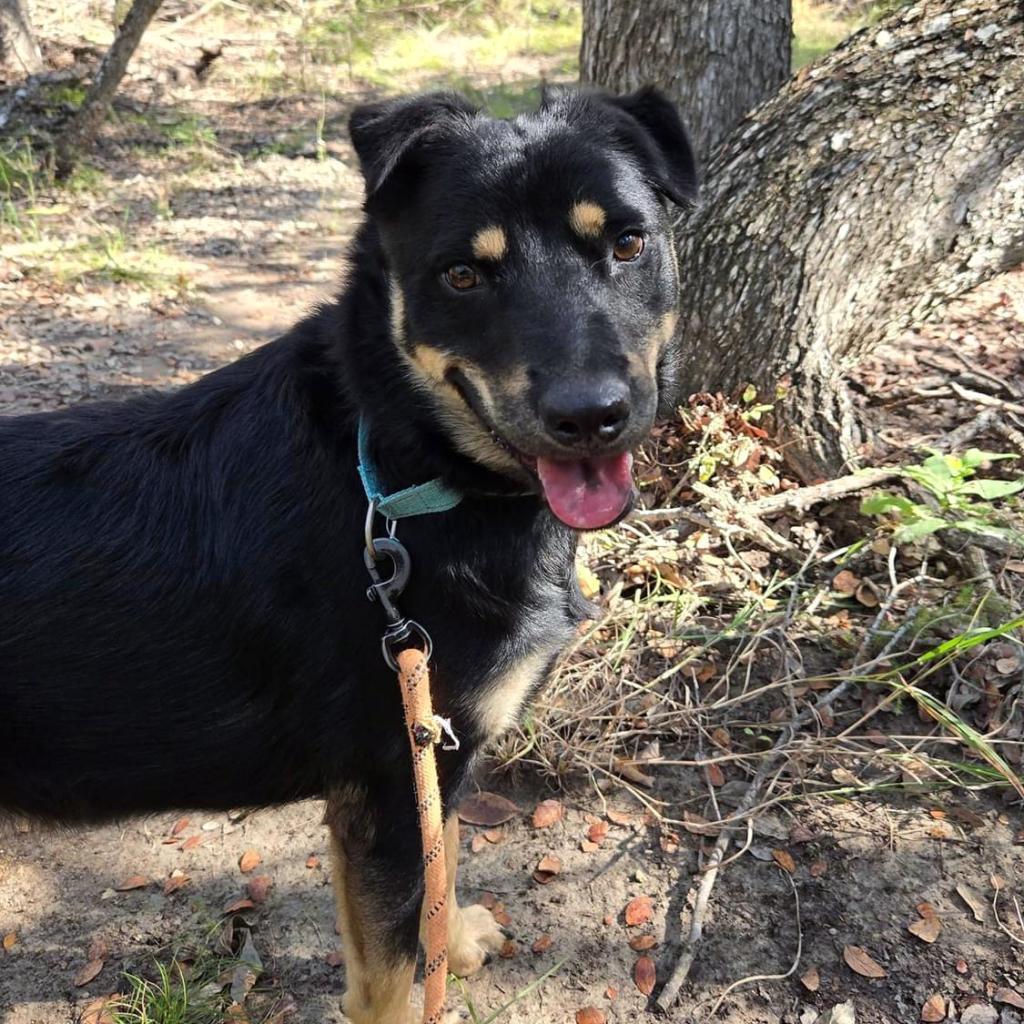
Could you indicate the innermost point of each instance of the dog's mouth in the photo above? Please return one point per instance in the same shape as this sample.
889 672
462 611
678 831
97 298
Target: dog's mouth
586 493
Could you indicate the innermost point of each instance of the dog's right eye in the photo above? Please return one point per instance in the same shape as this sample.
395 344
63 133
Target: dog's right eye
461 277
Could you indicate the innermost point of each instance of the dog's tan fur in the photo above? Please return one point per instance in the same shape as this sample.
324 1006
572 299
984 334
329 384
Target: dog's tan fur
587 219
490 243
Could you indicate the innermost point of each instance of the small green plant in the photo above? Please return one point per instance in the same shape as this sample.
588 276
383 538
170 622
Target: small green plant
170 999
961 499
477 1016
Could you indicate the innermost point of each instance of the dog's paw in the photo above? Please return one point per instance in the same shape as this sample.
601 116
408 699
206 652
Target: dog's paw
473 936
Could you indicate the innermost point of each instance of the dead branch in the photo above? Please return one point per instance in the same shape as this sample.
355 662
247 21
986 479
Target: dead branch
802 498
982 399
749 523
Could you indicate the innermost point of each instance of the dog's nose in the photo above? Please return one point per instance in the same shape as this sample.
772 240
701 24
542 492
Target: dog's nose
582 412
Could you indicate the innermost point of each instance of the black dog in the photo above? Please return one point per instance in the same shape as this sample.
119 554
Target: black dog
183 616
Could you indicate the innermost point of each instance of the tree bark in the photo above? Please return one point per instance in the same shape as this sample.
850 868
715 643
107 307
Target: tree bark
716 58
81 130
17 43
879 184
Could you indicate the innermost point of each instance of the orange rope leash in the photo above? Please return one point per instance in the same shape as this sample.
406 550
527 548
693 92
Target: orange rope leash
414 682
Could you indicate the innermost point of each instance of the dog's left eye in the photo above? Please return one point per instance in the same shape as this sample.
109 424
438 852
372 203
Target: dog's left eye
628 246
461 277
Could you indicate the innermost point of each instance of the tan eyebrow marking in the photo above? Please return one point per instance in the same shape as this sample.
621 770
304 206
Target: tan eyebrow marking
587 219
490 243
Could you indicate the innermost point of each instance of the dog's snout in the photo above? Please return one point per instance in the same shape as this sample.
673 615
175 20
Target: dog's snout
579 412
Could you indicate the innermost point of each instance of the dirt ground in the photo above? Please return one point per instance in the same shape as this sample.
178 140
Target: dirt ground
173 261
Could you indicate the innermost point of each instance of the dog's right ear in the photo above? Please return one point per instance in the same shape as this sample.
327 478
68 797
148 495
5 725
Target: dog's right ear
386 134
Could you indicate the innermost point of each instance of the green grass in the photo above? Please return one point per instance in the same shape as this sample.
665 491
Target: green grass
817 29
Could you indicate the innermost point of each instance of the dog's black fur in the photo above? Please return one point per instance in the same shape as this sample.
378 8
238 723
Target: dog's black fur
183 616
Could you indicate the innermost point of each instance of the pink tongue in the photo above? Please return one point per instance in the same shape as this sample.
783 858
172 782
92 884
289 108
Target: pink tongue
587 494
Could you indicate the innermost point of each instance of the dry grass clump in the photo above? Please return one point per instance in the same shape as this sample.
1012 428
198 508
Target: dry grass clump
714 638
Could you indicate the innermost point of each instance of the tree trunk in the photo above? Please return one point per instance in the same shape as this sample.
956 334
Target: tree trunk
81 130
879 184
17 44
716 58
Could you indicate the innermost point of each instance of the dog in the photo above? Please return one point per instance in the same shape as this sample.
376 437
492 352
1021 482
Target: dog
184 619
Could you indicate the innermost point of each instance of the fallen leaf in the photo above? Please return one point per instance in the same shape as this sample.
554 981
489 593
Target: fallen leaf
800 834
175 881
191 843
937 813
1014 565
721 738
927 929
974 901
925 910
478 843
99 1010
598 831
548 813
588 847
1008 996
179 826
132 882
494 835
248 861
590 1015
487 809
699 826
631 773
961 966
542 944
621 817
502 916
845 582
547 868
639 910
488 900
87 972
844 777
640 943
715 775
334 958
312 861
590 585
867 594
98 949
1007 666
241 903
508 950
934 1009
859 961
644 975
247 970
258 887
785 860
811 979
10 941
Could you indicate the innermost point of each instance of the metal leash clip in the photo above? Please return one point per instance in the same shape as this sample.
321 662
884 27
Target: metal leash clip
383 590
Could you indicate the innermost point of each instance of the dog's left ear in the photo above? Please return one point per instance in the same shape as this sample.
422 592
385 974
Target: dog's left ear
654 132
387 134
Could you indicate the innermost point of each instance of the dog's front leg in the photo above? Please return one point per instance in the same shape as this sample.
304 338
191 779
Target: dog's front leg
378 887
473 934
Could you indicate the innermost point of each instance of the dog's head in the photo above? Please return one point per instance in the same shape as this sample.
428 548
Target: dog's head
533 278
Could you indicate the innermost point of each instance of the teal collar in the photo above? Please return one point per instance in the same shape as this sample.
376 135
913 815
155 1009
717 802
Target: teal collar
419 500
